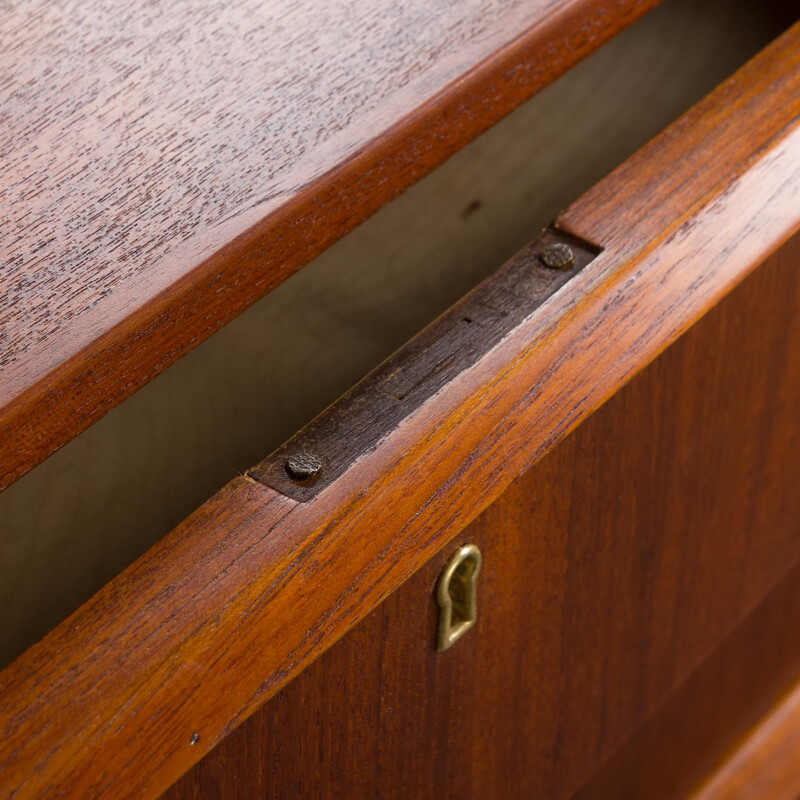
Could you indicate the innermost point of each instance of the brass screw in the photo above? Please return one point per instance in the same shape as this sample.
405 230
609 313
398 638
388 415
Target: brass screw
302 466
557 256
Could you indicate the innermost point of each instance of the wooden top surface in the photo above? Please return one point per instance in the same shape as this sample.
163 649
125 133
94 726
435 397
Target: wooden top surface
138 141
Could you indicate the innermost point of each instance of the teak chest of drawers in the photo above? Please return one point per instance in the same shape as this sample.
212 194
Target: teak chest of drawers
549 548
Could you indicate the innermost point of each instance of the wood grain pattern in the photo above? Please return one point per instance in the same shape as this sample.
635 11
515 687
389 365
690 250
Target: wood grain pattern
694 729
745 103
266 585
251 385
165 166
378 404
767 764
610 571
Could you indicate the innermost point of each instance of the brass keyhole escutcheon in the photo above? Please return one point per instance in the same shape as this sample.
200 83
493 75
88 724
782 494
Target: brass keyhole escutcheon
456 595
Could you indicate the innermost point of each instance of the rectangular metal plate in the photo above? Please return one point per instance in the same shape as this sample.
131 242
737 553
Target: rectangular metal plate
362 417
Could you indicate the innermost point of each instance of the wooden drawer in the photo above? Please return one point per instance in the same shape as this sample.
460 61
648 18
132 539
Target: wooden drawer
612 570
633 560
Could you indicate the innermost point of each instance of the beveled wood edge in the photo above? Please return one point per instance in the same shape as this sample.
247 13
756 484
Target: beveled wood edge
75 392
766 764
146 677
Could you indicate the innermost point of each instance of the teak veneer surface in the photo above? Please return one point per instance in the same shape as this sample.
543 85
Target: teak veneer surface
693 731
767 764
252 587
164 165
254 383
610 571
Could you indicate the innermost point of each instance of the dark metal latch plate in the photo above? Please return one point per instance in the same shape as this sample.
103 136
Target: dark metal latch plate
322 451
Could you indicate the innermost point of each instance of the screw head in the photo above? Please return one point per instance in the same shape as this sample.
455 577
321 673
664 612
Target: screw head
557 256
302 466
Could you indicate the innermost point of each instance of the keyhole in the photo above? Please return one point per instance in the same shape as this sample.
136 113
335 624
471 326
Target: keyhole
456 595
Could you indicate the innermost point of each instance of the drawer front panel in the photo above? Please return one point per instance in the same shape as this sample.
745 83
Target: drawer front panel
611 570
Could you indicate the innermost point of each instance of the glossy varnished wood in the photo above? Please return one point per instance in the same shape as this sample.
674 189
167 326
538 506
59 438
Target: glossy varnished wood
164 167
611 570
691 734
261 378
144 679
767 764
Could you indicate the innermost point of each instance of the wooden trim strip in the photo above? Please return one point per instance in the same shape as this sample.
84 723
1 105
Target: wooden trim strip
146 677
766 764
93 358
